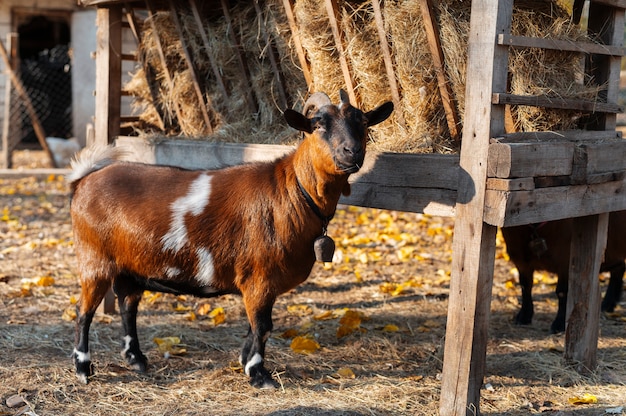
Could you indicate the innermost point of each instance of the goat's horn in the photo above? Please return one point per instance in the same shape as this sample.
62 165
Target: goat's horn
315 101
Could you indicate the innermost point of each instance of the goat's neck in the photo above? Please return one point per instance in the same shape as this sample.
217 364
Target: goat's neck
324 187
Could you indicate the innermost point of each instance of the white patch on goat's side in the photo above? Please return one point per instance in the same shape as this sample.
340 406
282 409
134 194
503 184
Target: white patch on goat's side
82 357
193 203
205 268
172 272
256 360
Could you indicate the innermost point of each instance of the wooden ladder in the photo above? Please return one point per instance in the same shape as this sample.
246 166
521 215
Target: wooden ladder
501 184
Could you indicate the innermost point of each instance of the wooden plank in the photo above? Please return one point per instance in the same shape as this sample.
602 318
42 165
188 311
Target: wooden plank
271 53
195 79
607 156
518 184
249 94
333 15
560 45
32 114
589 236
207 46
504 208
474 240
297 43
520 160
388 60
445 89
557 102
571 135
605 23
620 4
6 145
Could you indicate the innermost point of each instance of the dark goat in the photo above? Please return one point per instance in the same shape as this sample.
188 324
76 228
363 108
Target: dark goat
248 230
524 248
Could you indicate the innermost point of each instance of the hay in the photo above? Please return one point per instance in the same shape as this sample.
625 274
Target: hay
532 71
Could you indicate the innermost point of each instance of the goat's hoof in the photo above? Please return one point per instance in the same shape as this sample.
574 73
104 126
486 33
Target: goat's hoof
608 306
523 318
137 362
263 380
83 371
557 327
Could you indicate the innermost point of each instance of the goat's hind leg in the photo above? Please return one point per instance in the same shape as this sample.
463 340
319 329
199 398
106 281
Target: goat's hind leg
92 293
128 297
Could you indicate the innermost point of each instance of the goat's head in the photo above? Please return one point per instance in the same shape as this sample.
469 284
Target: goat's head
340 132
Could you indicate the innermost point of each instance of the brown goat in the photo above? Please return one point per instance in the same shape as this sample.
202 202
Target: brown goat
523 243
248 230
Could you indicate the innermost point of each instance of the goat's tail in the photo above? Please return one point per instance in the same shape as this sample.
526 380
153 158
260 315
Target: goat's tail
91 159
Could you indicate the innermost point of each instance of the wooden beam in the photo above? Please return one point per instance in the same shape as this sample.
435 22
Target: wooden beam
32 114
108 74
557 102
202 104
388 60
207 46
505 208
297 43
271 54
474 240
560 45
445 89
587 247
549 136
332 9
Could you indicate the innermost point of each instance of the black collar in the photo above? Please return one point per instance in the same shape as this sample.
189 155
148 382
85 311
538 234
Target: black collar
316 210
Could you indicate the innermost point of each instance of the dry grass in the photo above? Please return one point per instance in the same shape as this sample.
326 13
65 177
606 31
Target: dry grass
396 373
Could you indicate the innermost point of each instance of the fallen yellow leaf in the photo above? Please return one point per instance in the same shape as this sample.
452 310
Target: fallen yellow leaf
69 314
299 309
390 328
304 345
584 399
169 345
45 281
324 316
288 334
346 372
218 316
203 309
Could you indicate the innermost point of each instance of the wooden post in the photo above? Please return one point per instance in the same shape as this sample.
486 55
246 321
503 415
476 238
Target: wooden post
108 90
6 160
295 36
474 240
108 74
589 233
583 300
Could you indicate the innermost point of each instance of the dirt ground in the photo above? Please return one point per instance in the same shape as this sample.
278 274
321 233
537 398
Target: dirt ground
377 314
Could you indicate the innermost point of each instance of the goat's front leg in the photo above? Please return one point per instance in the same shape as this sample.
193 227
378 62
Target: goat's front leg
614 289
259 313
128 298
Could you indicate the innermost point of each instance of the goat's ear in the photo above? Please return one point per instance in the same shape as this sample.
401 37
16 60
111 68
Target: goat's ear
298 121
379 114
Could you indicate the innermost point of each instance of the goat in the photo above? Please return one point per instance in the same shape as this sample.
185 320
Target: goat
247 230
547 247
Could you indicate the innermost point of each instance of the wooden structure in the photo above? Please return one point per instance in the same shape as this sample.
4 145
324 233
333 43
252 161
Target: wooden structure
498 180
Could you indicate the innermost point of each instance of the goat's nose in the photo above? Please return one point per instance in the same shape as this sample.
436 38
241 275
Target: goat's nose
354 152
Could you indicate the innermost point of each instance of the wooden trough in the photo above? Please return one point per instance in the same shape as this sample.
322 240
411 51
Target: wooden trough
497 180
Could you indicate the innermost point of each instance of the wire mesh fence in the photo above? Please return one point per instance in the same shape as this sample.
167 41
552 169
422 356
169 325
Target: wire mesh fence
48 84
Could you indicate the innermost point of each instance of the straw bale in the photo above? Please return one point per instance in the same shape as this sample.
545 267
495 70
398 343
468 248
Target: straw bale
532 71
